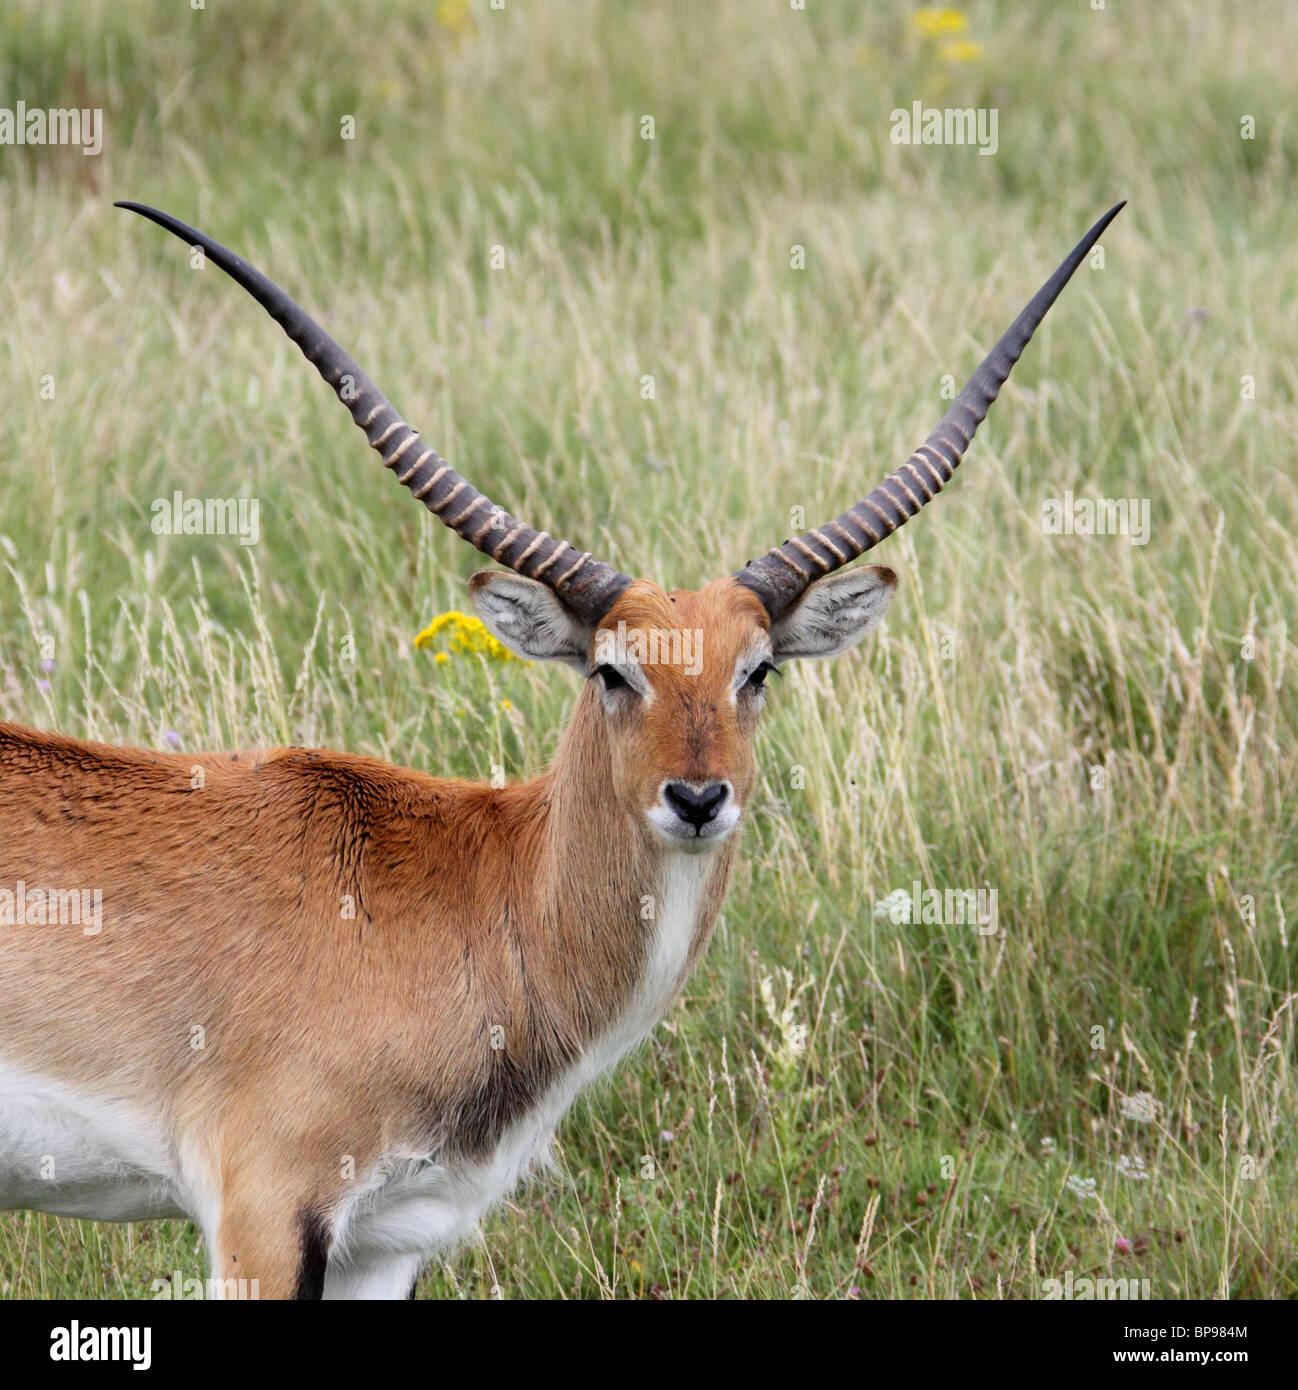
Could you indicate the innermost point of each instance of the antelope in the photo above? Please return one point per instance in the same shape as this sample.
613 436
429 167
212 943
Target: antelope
369 1084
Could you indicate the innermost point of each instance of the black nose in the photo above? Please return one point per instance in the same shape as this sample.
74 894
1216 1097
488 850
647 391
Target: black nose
696 808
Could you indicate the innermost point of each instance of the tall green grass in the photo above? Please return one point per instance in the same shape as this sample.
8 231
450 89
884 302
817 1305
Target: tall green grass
1104 733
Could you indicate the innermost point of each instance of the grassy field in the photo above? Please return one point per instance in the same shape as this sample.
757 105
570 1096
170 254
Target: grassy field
1103 732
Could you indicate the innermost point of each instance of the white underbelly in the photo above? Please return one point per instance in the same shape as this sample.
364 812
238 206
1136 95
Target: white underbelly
73 1155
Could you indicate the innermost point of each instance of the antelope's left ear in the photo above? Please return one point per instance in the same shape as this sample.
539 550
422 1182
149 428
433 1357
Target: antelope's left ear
834 613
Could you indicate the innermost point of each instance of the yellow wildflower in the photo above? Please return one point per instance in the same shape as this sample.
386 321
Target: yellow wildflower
464 636
962 51
935 20
457 16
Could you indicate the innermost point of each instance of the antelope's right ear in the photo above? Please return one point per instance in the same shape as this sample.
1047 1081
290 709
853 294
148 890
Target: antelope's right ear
530 619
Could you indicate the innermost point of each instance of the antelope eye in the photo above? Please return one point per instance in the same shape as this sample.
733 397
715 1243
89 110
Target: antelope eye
611 678
757 679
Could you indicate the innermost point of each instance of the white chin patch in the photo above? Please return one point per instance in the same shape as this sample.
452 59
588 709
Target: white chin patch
681 835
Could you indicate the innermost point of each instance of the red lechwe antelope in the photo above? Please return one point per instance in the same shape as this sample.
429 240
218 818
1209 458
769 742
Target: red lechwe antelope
365 1094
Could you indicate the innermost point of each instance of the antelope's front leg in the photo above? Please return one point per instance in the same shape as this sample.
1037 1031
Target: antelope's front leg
271 1240
385 1276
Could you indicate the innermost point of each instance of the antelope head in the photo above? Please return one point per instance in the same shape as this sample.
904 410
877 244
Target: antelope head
675 680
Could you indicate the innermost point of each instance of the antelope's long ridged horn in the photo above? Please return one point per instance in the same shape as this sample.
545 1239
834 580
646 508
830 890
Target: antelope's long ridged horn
588 586
780 576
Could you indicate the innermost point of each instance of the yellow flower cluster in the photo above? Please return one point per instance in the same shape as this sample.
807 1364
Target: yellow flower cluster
937 22
457 16
464 636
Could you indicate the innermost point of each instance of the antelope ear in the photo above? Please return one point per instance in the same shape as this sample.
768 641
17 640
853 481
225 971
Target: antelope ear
834 613
530 619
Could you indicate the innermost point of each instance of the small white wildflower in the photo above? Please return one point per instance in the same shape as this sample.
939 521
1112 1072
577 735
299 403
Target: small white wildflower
1132 1166
1047 1146
790 1036
895 908
1141 1107
1081 1187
